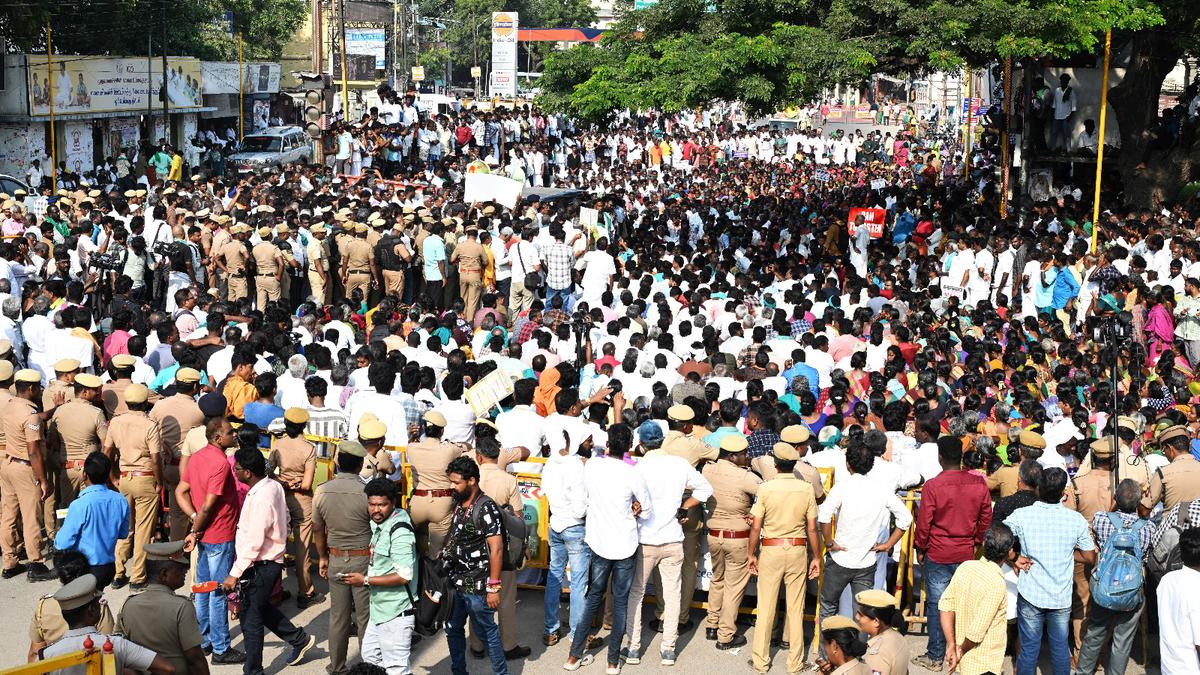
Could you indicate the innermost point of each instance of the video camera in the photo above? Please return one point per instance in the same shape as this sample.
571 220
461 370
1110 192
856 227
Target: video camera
105 261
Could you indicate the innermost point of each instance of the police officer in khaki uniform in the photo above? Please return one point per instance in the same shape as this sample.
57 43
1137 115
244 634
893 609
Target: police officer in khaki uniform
60 386
176 416
796 436
1129 465
733 489
378 462
342 534
393 277
78 427
293 274
783 540
1005 481
887 650
268 265
432 505
681 442
318 264
23 483
48 625
232 260
134 443
358 264
64 376
113 391
1179 481
160 620
470 256
295 457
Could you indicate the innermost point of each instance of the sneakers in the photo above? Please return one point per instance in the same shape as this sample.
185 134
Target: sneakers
228 657
668 657
299 652
576 665
39 572
629 657
735 641
927 663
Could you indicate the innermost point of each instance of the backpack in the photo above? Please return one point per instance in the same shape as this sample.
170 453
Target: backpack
435 593
1164 555
512 530
385 253
1117 581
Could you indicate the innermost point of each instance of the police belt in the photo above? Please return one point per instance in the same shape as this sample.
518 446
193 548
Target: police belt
350 552
18 460
784 541
433 493
360 271
729 534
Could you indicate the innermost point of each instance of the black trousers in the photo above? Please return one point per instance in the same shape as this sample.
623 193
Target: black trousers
104 575
257 614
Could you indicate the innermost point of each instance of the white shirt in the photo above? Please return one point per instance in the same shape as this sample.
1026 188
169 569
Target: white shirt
1179 621
667 477
289 392
863 509
460 422
612 486
521 427
562 483
387 409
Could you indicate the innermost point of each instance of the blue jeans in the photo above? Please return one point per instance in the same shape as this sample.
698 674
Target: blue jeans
1031 622
483 621
565 293
620 572
937 578
213 562
565 546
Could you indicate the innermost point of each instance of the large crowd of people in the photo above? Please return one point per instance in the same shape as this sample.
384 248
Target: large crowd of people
721 377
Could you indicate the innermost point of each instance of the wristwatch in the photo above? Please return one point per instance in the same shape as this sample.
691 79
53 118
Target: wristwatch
366 581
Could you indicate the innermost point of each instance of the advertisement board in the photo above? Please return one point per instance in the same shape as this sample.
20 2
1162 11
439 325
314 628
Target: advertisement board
874 219
368 42
78 149
221 77
95 84
504 53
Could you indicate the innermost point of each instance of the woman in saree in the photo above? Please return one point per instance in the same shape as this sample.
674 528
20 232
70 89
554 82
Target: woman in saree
1160 324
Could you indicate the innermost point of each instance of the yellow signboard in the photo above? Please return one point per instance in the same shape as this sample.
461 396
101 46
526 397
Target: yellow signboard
418 73
94 84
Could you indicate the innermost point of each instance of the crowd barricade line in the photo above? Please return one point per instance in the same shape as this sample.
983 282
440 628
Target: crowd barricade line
97 661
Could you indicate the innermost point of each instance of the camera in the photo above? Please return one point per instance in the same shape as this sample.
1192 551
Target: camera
105 261
166 248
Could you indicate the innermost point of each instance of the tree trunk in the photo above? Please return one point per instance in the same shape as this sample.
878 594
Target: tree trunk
1149 175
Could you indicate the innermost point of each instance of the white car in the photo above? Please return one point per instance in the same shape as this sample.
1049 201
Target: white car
275 146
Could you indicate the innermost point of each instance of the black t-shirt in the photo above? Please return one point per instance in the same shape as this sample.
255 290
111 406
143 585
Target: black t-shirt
466 553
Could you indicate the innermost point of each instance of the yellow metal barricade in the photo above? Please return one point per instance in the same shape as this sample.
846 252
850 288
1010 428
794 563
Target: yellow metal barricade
97 661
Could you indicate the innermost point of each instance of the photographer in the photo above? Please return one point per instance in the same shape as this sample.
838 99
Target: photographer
177 256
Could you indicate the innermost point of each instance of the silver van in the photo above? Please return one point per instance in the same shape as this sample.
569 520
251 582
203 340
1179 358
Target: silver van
274 146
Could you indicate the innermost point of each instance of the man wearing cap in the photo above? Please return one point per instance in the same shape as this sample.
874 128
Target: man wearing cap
1003 482
232 260
783 547
268 269
318 264
733 490
469 255
1179 481
134 443
358 264
295 458
160 620
1129 464
342 534
23 481
432 501
796 436
80 604
378 461
176 416
64 376
113 392
77 428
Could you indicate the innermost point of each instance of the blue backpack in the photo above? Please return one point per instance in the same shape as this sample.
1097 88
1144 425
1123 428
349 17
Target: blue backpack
1117 581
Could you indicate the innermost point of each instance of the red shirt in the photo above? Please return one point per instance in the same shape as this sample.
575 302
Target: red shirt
208 473
956 509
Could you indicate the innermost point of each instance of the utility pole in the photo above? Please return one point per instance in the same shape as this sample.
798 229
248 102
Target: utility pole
166 96
345 85
50 86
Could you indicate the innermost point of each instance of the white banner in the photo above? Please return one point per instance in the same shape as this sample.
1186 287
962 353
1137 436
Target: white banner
490 187
368 42
504 53
221 77
89 84
19 145
78 136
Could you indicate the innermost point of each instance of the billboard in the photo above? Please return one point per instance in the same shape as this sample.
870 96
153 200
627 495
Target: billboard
504 53
368 42
95 84
221 77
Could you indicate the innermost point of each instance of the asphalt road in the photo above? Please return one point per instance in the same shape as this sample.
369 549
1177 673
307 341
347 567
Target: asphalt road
431 655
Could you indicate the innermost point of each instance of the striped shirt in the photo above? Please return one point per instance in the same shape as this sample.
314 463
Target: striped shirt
978 598
328 423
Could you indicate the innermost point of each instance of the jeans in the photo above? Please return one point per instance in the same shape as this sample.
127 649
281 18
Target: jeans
212 564
389 644
602 570
1060 130
567 546
483 622
1100 620
1031 622
937 578
564 293
836 580
258 614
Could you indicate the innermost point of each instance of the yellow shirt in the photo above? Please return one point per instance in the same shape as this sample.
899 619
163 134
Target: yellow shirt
238 393
176 170
977 597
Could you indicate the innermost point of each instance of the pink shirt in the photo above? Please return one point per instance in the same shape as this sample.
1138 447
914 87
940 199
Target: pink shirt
262 529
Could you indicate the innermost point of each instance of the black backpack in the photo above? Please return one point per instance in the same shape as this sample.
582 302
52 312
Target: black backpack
385 253
435 593
512 530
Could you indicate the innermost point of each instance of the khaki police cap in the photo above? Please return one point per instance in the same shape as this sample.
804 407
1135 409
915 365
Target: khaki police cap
168 191
22 193
1031 439
1103 447
317 229
282 228
66 366
1127 422
5 346
6 371
785 452
203 213
681 413
124 360
130 194
187 375
836 622
875 598
136 393
1173 431
435 418
360 228
139 193
489 210
372 430
734 443
28 375
78 593
264 231
93 193
408 210
352 448
795 433
166 550
367 417
88 381
378 222
296 415
66 201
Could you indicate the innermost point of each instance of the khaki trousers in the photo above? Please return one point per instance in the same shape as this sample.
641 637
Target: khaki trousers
19 498
318 288
343 600
431 520
238 288
730 574
692 532
142 497
393 282
70 482
470 287
267 290
357 280
667 560
787 566
519 298
300 522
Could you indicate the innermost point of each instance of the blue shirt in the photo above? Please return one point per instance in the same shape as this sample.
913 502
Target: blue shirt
714 439
166 377
1066 287
261 415
1049 535
807 371
95 521
433 250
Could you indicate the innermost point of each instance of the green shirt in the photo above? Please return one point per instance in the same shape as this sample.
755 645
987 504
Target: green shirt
393 551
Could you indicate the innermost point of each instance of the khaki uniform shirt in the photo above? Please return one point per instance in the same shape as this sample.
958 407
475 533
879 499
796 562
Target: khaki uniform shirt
1131 466
267 259
138 441
55 386
1092 493
887 653
854 667
162 622
358 256
501 486
81 427
469 255
377 466
733 488
113 395
193 440
48 625
340 506
688 447
5 397
293 457
1003 481
764 465
176 416
785 506
1176 482
317 256
21 427
429 459
235 255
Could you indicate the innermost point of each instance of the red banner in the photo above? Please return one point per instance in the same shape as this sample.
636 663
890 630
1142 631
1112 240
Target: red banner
874 218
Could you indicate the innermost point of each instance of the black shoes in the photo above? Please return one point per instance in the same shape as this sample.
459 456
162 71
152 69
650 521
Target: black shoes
298 653
710 634
228 657
735 641
121 582
137 586
13 571
39 572
306 601
517 652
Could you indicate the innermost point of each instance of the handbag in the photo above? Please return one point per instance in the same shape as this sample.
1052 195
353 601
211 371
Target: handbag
532 280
